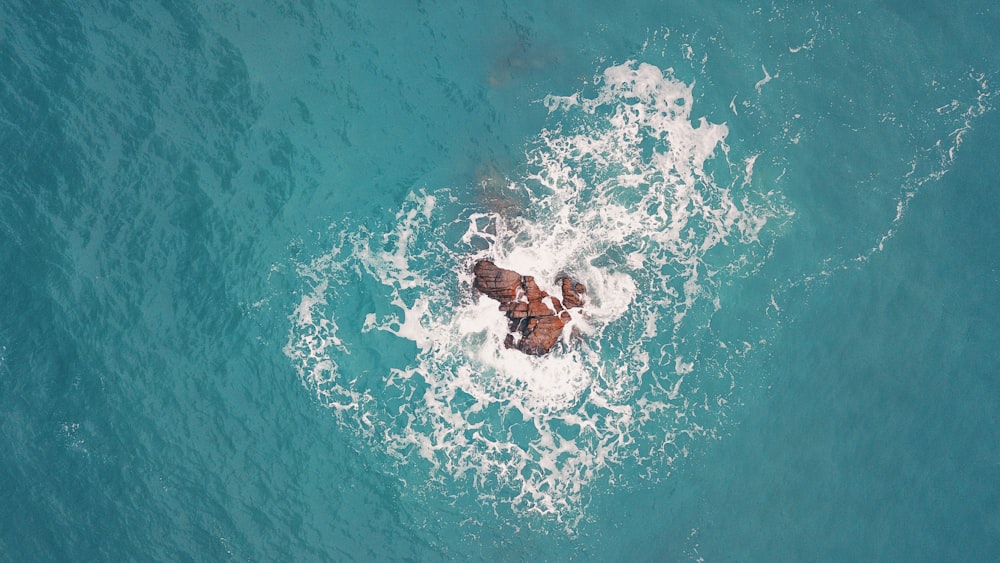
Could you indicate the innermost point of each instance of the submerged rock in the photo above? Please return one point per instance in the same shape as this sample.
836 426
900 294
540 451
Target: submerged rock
535 318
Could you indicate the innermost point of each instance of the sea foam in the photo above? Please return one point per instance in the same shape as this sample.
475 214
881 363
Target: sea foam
621 194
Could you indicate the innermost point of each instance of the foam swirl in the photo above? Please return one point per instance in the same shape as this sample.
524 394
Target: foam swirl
625 191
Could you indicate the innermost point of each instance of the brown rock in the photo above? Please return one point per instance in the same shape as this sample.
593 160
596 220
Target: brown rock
535 318
571 293
495 282
540 334
532 291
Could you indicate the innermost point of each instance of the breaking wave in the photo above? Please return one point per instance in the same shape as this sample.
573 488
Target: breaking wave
626 191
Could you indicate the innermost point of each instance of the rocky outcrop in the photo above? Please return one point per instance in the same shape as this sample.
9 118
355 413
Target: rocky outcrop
535 318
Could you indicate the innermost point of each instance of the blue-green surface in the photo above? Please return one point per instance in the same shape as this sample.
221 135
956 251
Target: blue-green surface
236 319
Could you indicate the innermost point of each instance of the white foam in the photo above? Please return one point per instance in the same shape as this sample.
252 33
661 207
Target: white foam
767 78
623 202
931 163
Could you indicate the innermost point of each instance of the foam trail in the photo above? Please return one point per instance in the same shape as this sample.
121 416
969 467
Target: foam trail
624 198
929 164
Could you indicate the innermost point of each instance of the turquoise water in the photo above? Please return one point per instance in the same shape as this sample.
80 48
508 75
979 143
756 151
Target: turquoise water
236 319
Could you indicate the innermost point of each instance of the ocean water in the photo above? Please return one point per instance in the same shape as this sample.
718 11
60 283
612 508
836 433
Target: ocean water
236 309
